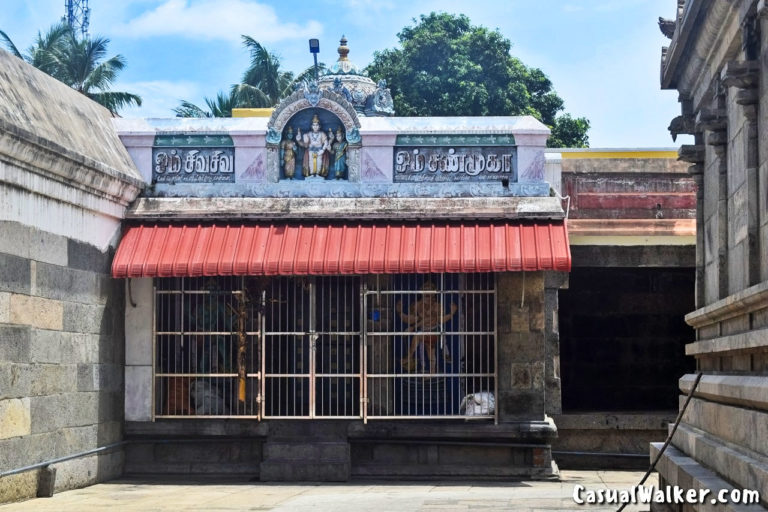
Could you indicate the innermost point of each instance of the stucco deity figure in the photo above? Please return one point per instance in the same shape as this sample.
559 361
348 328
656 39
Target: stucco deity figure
316 155
425 316
288 154
339 167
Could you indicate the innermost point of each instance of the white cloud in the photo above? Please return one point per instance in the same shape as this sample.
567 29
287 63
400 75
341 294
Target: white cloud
216 19
158 97
370 5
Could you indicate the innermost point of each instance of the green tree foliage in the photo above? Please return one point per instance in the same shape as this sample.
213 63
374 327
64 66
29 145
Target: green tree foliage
220 106
78 63
264 84
569 132
445 66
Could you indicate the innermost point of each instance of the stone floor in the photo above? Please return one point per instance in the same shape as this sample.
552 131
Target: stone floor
135 495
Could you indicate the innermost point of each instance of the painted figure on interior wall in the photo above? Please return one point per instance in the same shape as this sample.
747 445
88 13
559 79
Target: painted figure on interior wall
288 155
425 316
339 167
317 153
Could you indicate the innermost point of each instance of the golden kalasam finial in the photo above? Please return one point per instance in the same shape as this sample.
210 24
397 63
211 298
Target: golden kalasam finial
343 48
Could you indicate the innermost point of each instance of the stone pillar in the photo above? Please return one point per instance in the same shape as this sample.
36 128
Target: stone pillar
713 123
553 282
529 345
528 363
742 77
521 346
698 176
139 306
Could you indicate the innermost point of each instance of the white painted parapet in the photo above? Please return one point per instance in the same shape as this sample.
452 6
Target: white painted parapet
62 168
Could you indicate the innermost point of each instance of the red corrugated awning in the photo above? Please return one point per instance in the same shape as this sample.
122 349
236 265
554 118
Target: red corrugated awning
225 250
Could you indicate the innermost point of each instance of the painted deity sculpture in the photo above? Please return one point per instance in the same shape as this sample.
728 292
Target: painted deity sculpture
317 147
288 154
425 317
339 167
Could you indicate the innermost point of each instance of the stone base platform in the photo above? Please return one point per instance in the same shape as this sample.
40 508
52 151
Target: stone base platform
343 450
608 439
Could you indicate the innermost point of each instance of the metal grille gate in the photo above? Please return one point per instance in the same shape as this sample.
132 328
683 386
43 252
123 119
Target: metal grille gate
370 347
430 346
312 362
207 340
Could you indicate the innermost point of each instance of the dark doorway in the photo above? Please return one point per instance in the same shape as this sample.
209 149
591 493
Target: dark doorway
623 337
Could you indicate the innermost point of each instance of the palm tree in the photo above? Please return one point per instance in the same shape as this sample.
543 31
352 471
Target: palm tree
76 62
221 106
264 85
45 51
83 69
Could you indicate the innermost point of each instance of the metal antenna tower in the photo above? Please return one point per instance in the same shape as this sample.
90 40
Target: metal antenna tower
78 16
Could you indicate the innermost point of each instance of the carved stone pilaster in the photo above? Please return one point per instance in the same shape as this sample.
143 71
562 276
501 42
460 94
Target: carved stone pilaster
715 121
750 37
353 165
748 97
719 143
273 165
744 74
698 178
692 153
696 170
711 119
686 105
718 138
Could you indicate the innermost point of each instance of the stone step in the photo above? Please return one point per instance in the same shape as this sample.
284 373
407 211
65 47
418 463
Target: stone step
293 471
300 430
426 471
319 451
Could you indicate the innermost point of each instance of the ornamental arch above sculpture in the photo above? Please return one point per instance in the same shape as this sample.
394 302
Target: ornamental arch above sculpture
291 134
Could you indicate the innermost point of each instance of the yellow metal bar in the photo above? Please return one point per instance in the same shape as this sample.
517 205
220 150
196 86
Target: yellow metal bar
252 112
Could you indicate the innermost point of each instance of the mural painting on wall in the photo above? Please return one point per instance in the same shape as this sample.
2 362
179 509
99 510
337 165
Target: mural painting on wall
310 149
428 332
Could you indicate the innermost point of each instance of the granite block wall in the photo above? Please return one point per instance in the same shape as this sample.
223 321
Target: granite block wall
61 359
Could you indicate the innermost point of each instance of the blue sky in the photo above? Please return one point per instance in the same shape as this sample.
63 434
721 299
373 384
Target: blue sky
601 55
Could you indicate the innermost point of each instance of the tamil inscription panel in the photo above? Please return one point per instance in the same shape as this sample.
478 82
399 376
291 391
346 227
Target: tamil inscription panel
439 164
179 158
454 158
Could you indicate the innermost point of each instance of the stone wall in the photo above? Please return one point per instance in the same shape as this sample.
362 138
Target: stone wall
61 358
721 441
528 344
65 181
641 185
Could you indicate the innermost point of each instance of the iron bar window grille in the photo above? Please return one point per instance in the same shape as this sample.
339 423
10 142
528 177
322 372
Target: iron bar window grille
399 346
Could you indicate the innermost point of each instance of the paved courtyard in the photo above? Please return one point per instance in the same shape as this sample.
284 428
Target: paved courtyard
135 495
